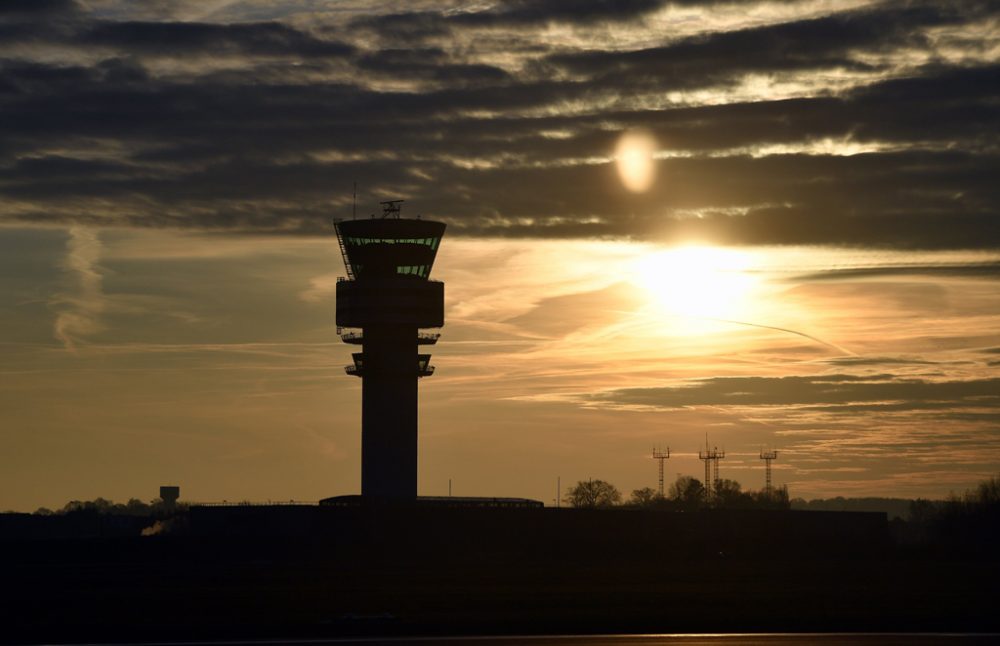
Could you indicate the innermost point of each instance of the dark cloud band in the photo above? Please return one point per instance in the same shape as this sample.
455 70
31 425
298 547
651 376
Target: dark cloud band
486 123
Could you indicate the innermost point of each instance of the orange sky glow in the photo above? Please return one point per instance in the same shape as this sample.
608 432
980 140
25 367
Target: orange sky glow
774 223
213 362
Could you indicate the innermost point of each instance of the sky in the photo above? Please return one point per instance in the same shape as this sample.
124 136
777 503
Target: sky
774 224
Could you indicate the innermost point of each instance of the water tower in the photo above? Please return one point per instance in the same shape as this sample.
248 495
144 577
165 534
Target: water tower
169 495
382 305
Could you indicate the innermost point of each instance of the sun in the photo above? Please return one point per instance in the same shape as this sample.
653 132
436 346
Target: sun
634 157
698 282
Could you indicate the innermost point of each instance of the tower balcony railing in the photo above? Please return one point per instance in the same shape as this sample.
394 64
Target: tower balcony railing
352 337
358 371
357 337
346 279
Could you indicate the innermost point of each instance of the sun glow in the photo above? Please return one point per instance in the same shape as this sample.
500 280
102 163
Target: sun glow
634 156
698 282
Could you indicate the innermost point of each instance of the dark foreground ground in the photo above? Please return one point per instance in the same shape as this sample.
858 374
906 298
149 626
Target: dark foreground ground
185 587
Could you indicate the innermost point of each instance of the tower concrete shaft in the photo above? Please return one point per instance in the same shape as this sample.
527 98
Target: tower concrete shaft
382 306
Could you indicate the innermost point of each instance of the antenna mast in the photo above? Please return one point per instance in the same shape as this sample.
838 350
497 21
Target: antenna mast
768 457
391 208
661 456
711 458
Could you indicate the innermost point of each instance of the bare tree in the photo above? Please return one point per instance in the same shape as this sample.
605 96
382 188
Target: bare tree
688 492
988 491
645 497
729 494
776 498
593 493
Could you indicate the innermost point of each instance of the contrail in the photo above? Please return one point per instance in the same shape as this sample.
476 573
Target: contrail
832 346
783 329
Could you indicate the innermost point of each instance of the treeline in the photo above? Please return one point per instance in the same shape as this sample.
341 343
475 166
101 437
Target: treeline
970 520
102 506
685 494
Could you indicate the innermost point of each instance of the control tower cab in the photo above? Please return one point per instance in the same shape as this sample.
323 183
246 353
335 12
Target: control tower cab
383 305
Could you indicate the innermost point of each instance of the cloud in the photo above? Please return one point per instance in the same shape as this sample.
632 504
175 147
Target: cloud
558 316
970 269
521 12
508 13
201 39
428 64
829 392
806 44
879 361
35 7
502 120
322 289
185 10
78 313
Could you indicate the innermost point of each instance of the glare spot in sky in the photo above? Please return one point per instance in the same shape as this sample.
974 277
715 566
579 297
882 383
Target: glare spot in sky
634 156
698 282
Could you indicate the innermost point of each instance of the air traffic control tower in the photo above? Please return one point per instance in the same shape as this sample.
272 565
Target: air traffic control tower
382 305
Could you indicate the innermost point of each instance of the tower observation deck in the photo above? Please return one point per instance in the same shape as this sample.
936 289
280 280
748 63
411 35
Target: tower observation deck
385 302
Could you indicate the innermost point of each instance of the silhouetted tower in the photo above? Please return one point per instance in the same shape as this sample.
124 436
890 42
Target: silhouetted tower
711 458
169 495
384 302
768 457
661 456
